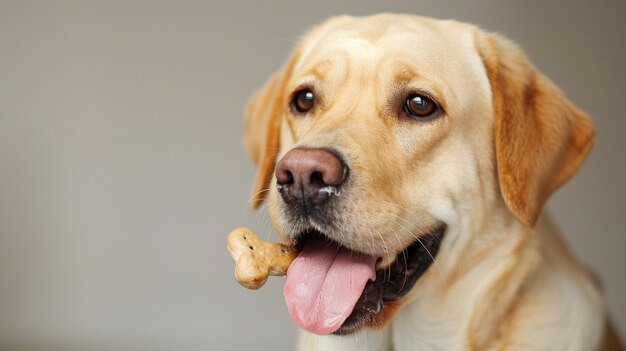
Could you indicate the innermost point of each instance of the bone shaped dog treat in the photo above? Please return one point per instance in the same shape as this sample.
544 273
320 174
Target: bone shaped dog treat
256 259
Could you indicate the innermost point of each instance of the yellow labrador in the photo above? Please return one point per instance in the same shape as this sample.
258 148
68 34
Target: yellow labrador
409 159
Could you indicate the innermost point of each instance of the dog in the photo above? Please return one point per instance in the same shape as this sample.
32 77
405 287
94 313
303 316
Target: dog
409 159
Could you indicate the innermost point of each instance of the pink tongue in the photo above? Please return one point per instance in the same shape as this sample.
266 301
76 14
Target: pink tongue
324 283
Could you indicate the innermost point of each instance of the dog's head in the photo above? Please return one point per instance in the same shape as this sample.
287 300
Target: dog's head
382 133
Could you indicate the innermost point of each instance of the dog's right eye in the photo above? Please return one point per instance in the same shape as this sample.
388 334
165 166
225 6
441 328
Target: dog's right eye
303 101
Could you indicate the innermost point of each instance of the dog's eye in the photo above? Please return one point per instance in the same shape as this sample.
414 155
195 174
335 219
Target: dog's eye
303 101
420 106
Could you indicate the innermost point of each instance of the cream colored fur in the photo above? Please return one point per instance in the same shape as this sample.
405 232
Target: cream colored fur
503 280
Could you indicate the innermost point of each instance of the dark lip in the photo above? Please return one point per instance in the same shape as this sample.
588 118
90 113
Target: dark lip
392 282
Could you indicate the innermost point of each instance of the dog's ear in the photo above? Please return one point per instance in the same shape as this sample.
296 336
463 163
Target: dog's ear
262 128
541 139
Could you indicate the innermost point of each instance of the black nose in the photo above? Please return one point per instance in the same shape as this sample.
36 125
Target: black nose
308 177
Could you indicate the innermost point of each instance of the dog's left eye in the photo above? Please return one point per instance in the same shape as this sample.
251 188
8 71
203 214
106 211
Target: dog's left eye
420 106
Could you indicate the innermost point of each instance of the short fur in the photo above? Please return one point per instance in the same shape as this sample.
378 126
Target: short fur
508 138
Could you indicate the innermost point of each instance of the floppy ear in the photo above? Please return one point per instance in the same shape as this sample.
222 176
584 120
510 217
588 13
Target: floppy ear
262 128
541 139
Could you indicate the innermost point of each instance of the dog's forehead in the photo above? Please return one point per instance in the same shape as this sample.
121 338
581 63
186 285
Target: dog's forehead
423 40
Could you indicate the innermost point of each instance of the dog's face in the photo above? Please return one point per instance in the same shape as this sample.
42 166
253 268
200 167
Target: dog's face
383 133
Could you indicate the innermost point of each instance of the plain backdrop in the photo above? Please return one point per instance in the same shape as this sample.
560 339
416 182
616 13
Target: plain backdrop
122 167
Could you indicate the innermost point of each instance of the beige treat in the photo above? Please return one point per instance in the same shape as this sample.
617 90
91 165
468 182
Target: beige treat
256 259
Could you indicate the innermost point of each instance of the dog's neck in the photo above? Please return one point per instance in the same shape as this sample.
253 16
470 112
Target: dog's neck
487 291
478 262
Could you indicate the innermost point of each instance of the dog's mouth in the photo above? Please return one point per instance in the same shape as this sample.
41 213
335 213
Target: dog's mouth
333 289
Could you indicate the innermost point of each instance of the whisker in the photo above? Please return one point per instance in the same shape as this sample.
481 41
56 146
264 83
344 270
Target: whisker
267 225
382 238
434 261
257 215
285 39
253 196
424 246
403 256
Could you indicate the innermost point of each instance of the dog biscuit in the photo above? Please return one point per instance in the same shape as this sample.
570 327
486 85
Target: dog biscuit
256 259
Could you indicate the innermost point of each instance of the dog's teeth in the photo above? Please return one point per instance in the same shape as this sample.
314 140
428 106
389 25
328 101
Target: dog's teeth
379 306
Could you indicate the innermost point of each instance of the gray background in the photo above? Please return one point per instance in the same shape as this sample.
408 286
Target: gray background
122 167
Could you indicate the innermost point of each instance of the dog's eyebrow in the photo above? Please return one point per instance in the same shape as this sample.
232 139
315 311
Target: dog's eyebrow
405 76
404 72
318 71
